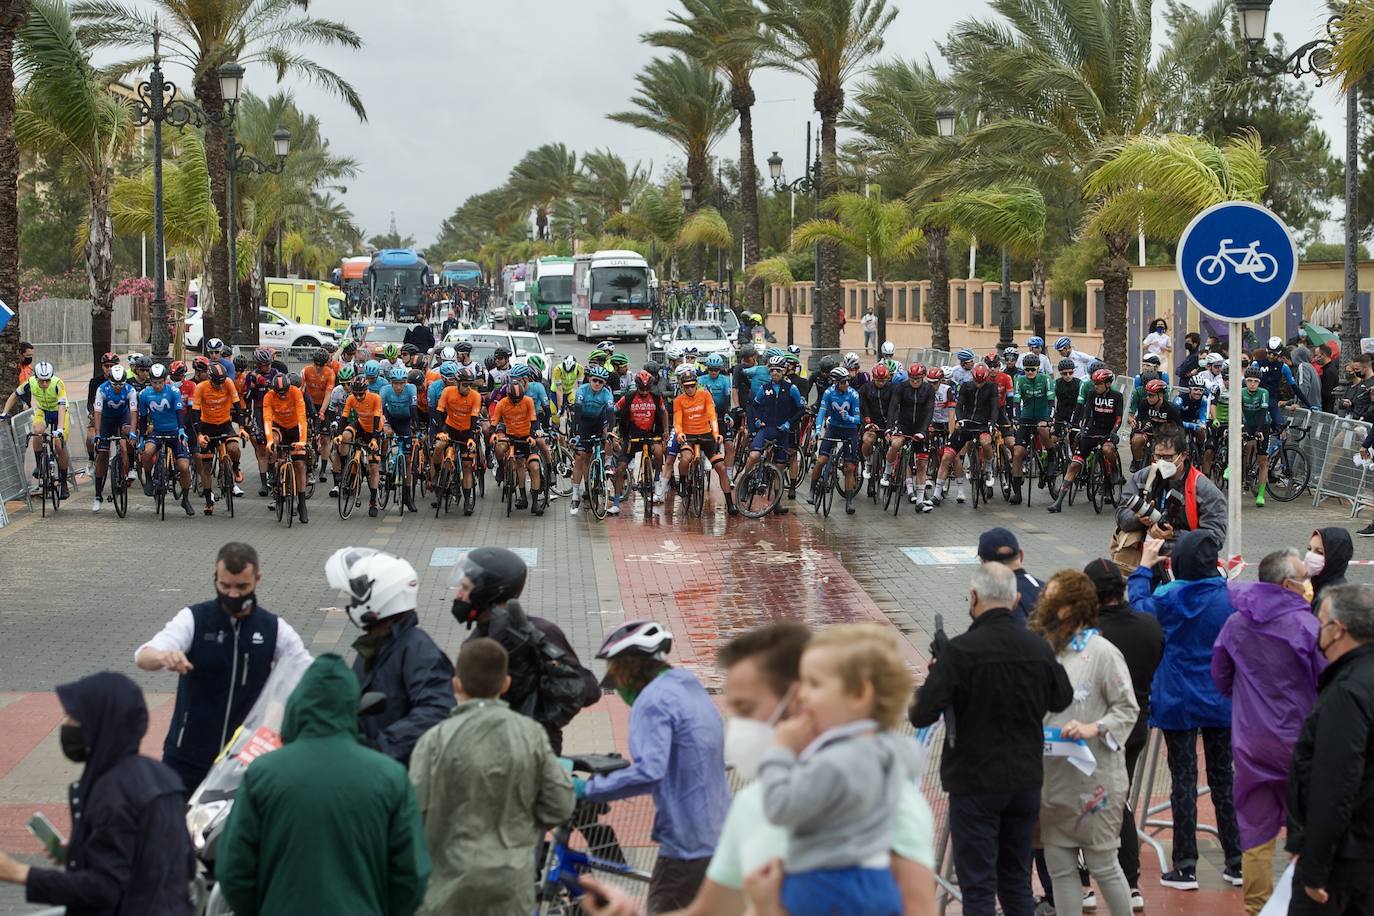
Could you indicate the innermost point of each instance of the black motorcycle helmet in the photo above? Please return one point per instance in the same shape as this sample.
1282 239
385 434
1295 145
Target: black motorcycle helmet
497 576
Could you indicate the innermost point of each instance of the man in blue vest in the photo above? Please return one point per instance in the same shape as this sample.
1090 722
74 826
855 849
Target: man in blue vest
223 649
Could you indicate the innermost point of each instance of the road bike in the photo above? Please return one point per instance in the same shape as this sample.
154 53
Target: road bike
640 473
222 469
759 490
1260 266
164 473
117 473
1289 471
283 482
395 475
692 486
904 471
351 481
562 457
598 489
828 481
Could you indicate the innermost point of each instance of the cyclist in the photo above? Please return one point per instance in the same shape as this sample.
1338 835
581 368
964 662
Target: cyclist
161 416
697 431
107 361
515 426
141 366
593 408
48 395
285 421
214 407
913 403
875 405
1066 393
459 410
400 410
1214 377
1101 418
1081 361
976 411
498 368
776 411
1274 374
837 421
1257 423
391 358
531 375
318 378
1035 348
857 378
362 416
256 383
964 371
416 377
1155 410
641 419
1034 399
240 367
621 382
115 405
820 379
377 382
177 375
1192 413
566 377
1011 363
942 426
216 352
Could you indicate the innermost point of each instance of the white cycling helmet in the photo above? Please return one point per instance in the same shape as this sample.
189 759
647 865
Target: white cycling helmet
1275 344
569 363
449 355
118 373
43 371
378 585
1215 359
686 372
888 348
645 637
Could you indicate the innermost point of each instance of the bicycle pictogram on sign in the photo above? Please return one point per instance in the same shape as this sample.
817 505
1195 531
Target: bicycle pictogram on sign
1258 265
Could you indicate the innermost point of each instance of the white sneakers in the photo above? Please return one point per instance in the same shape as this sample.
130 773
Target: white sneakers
238 491
660 487
95 505
573 509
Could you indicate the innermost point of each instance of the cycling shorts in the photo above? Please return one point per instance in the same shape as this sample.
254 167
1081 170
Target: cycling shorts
213 431
966 434
1087 441
781 438
520 445
704 444
583 443
174 442
1259 433
1027 430
633 445
50 421
291 435
848 439
400 425
111 426
363 437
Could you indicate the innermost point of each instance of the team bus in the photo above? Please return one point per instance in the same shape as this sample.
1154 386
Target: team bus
548 283
611 295
396 279
461 273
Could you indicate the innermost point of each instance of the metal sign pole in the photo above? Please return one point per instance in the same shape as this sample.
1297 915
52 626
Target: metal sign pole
1235 461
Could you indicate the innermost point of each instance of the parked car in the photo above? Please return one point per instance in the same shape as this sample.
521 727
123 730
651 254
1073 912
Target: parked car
377 334
527 343
520 343
274 330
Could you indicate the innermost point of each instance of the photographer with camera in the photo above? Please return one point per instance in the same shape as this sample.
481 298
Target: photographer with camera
1171 496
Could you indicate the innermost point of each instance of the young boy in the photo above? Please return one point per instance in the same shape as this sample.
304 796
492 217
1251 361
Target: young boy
836 772
488 786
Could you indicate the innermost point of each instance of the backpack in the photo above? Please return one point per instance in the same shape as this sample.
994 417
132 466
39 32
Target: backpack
564 687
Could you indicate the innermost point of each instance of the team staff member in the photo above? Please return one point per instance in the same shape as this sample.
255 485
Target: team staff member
161 417
208 644
285 422
362 412
213 408
460 407
696 426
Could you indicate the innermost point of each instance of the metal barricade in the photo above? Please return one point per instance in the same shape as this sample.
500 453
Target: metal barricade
1152 778
14 480
1339 476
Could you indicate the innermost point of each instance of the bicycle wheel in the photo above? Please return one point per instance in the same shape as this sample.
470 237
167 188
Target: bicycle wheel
975 479
597 496
759 492
160 486
1003 459
119 484
1097 485
561 478
350 486
1049 472
402 481
892 493
699 484
1289 474
311 459
387 484
442 487
226 483
287 500
828 487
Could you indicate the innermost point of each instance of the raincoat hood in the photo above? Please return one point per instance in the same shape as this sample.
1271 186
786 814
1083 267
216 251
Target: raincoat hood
1302 355
1339 549
324 703
1263 602
113 717
1195 556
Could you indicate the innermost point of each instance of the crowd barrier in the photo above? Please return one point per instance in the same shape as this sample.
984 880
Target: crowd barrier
16 459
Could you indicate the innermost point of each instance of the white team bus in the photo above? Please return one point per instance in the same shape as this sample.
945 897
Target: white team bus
611 295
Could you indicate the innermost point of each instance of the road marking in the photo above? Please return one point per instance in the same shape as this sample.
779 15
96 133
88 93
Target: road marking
449 556
941 556
672 554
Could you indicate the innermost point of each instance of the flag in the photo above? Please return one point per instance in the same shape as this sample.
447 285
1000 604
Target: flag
6 313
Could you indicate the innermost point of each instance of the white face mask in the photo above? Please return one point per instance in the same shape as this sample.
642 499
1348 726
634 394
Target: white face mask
1166 469
1314 562
748 740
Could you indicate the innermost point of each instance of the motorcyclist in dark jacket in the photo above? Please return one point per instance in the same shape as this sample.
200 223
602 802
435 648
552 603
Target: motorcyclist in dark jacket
130 853
395 657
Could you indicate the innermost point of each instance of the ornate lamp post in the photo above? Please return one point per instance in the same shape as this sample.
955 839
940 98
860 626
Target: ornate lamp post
809 182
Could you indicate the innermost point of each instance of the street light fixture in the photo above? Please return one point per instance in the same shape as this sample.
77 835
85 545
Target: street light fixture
809 182
944 122
686 193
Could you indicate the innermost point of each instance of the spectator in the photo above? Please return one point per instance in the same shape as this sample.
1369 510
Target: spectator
999 545
488 786
1192 359
1184 699
677 743
836 772
1140 640
25 361
1188 499
1358 401
870 324
421 337
1308 378
1103 712
1330 377
129 854
1266 660
1328 557
1158 341
395 657
323 819
994 684
1331 782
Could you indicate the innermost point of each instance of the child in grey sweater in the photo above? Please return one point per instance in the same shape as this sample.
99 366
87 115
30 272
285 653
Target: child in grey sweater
834 777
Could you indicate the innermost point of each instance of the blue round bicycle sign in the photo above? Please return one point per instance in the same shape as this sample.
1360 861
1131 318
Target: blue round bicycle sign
1237 260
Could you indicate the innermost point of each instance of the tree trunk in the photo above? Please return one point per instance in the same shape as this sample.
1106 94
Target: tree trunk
880 307
1116 283
937 305
12 15
697 179
743 98
1038 296
217 283
100 267
541 221
829 103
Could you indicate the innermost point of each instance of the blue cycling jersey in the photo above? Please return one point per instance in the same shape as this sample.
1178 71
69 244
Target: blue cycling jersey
842 411
436 391
163 409
398 405
1192 412
378 385
591 406
758 377
540 395
776 404
114 404
719 389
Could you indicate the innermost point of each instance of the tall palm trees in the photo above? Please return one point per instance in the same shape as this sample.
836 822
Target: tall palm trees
729 35
202 35
543 176
66 111
827 41
12 14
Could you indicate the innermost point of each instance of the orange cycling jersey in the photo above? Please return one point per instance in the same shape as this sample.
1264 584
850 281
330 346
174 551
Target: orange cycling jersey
215 404
367 411
517 415
318 382
285 412
460 409
695 414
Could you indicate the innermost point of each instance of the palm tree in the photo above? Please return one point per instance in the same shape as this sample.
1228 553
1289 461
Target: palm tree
656 217
1353 55
66 110
1013 216
826 41
543 176
202 35
607 182
866 226
775 272
729 35
12 14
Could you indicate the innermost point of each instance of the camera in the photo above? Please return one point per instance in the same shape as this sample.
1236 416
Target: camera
1140 505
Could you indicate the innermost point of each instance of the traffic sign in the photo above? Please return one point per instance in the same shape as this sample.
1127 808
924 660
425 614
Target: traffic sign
1237 260
553 313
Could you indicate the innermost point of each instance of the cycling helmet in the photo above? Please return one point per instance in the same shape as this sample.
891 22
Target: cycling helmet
1066 364
262 356
397 374
643 381
780 363
1036 342
829 362
1197 382
1153 359
240 362
372 368
109 359
1215 359
466 374
1010 351
118 374
851 361
621 359
1154 386
1095 365
416 377
892 366
281 384
851 355
319 357
521 372
598 372
839 374
569 363
377 585
888 348
448 369
159 371
916 370
535 362
409 349
349 346
880 372
747 351
391 351
346 373
981 373
500 353
1275 344
141 362
218 375
1103 377
43 370
793 360
794 349
490 576
935 374
1253 372
1063 343
178 370
200 364
214 345
687 374
450 354
715 361
637 637
992 360
675 352
359 385
1030 363
329 346
606 346
964 355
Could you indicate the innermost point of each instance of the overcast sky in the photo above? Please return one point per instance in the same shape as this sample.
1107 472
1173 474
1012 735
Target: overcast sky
457 93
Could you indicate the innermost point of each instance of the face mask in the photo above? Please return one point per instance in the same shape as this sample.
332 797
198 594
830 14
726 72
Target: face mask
1314 562
237 606
1323 646
26 360
462 612
747 740
1166 469
73 743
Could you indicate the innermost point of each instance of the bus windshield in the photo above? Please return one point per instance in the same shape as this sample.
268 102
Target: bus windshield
555 290
611 286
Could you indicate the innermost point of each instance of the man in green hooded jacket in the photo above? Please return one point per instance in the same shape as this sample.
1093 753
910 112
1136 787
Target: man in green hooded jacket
323 825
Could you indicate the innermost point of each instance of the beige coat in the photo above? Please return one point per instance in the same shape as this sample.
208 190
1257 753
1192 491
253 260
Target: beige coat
1085 811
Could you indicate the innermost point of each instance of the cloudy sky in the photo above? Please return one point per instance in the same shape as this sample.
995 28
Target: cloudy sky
457 93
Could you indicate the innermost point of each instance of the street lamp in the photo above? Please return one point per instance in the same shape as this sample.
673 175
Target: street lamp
809 182
686 194
1314 57
944 122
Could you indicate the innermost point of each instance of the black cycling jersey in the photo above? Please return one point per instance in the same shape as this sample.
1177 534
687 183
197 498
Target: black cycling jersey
875 403
1151 416
978 404
1102 412
912 408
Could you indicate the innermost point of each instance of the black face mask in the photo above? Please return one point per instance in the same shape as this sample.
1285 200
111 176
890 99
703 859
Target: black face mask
73 743
26 360
463 612
237 606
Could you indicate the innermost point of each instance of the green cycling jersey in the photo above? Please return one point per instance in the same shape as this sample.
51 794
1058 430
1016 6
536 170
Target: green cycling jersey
1035 397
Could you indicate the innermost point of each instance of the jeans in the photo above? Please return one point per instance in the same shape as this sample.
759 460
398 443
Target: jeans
992 850
1063 865
1182 753
870 339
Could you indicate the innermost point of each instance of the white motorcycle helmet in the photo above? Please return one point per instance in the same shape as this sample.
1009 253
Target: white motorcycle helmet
377 585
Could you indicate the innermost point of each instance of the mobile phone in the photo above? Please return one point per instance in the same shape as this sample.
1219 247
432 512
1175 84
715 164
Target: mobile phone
47 834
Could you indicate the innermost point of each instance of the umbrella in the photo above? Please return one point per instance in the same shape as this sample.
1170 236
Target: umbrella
1320 335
